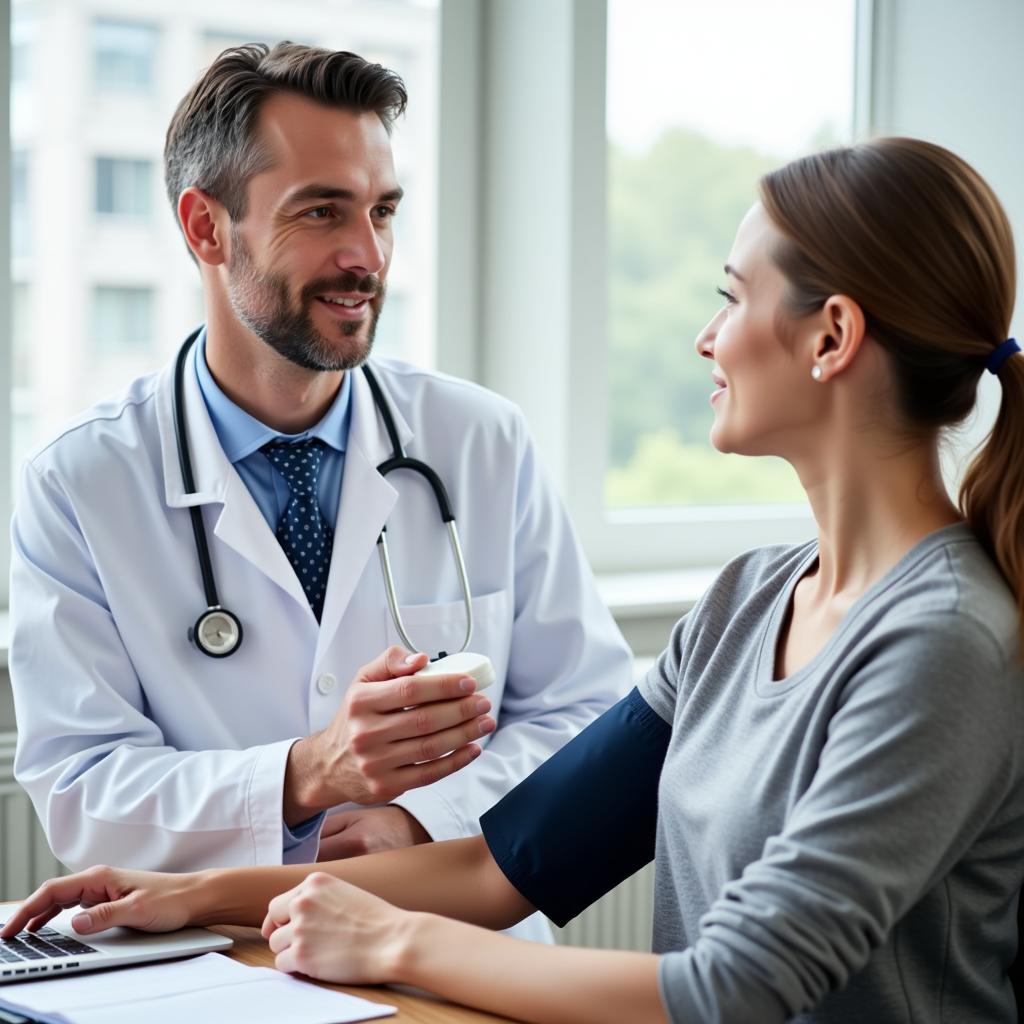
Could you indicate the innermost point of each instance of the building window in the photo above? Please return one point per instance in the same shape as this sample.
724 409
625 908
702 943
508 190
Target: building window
122 319
693 120
124 54
21 375
20 239
23 44
100 159
124 187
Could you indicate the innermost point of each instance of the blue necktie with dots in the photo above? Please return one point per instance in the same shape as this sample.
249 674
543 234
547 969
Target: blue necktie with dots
304 534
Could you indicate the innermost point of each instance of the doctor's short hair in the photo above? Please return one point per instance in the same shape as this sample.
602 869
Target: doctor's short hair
211 141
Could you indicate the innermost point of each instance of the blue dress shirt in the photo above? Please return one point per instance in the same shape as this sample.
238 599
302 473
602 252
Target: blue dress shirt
241 436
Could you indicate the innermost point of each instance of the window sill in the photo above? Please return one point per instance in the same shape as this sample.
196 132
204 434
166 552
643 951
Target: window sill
643 595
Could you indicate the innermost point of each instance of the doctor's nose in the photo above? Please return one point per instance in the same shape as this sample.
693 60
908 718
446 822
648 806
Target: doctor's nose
363 250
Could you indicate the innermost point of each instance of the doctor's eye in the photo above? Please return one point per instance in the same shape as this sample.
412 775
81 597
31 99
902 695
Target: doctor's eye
384 212
319 213
730 299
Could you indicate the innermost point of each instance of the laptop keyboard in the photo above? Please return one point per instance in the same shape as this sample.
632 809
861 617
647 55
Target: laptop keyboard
40 945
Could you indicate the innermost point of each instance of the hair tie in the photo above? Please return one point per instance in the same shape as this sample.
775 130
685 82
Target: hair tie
995 361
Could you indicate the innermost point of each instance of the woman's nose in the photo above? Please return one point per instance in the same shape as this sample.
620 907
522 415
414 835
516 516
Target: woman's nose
705 343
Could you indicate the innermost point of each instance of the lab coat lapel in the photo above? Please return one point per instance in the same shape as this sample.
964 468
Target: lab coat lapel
241 524
366 502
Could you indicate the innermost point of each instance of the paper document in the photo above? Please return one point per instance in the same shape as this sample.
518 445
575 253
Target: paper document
209 988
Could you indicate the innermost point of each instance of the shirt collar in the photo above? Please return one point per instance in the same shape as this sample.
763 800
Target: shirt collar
241 434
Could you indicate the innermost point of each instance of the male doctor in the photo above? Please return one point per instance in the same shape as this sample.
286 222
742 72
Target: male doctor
139 749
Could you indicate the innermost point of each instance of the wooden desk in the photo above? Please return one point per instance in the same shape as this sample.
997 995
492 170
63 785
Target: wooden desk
250 948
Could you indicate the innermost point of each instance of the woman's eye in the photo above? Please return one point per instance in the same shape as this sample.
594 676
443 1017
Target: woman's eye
728 296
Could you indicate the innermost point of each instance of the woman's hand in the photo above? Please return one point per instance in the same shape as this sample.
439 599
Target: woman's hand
327 929
147 900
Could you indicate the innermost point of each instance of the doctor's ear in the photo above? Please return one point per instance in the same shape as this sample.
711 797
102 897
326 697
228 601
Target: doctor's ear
204 223
838 336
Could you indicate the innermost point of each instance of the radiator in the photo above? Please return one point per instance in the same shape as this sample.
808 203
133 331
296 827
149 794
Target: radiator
25 858
622 920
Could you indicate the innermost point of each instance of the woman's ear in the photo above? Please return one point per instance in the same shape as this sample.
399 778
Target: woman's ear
838 336
204 223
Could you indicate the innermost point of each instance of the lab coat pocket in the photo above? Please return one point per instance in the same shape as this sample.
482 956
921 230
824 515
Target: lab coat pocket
434 628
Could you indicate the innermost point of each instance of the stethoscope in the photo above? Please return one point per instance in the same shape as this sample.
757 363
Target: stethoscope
218 632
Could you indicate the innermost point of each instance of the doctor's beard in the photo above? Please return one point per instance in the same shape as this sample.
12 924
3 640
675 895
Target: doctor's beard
262 303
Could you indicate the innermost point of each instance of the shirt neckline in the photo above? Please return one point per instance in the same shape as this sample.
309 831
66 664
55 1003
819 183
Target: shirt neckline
765 684
241 434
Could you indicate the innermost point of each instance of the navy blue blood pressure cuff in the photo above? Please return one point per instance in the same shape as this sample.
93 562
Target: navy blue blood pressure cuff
585 819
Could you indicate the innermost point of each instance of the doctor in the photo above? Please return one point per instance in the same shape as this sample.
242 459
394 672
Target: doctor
138 748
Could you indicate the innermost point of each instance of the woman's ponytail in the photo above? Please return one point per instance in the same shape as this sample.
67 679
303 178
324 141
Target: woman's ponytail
992 492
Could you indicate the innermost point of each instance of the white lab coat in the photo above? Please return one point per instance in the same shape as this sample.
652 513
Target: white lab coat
138 750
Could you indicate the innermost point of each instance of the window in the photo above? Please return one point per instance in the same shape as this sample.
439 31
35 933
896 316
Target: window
122 319
21 368
686 145
391 327
124 54
23 41
20 241
124 187
128 288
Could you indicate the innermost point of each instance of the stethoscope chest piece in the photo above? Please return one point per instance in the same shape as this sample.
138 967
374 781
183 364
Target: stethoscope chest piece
217 632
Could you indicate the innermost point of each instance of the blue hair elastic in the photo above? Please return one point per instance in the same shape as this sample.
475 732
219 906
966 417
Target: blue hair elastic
994 363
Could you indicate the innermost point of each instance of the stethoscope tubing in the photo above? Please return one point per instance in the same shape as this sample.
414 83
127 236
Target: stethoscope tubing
187 480
398 461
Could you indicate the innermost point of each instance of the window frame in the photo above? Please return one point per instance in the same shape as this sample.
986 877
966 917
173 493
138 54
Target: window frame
6 321
489 245
557 371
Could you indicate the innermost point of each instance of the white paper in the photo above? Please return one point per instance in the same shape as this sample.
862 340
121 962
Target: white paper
206 988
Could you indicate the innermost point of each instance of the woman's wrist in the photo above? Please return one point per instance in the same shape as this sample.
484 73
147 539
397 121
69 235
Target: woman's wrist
405 959
205 897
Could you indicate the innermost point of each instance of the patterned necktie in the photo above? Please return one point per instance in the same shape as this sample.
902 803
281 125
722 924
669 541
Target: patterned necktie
304 534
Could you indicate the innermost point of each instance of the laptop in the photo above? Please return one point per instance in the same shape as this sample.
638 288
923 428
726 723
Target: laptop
57 949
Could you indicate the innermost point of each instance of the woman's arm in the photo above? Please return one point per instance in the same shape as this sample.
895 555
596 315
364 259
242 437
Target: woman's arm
330 930
458 878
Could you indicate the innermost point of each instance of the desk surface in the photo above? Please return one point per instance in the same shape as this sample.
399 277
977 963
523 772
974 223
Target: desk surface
250 948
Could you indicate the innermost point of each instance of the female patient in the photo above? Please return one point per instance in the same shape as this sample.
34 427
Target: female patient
826 762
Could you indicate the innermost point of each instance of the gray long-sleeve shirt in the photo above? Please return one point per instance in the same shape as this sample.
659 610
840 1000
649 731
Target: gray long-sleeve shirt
845 844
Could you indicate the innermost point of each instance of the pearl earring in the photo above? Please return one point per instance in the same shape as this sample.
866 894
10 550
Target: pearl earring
816 372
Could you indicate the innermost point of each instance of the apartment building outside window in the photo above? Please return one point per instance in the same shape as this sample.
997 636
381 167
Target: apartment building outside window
124 187
124 55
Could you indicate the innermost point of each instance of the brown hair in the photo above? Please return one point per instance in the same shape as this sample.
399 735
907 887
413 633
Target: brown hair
916 237
211 140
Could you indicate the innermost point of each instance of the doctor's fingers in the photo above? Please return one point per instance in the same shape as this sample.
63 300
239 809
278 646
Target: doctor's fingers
427 719
429 748
416 775
410 691
395 661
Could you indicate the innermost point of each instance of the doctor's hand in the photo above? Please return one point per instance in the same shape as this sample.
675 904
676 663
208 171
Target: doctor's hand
148 900
394 731
328 929
369 830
